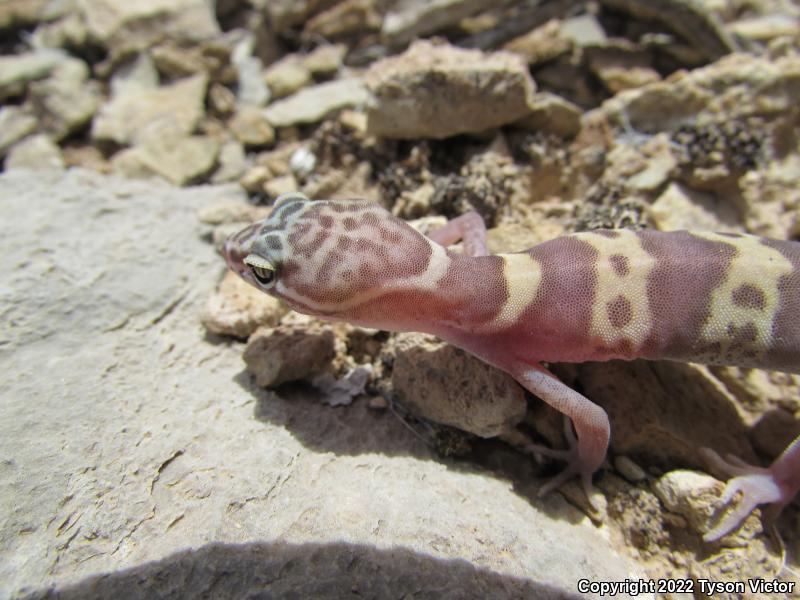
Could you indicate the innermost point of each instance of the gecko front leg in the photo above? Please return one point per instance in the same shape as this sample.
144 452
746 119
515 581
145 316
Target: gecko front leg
586 452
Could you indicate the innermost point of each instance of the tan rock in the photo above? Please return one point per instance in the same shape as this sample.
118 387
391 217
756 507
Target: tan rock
314 103
541 44
449 386
287 76
437 91
325 60
35 152
131 114
251 127
551 113
275 356
15 123
238 309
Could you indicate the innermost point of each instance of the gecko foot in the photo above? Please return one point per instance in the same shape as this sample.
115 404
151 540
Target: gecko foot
575 466
757 485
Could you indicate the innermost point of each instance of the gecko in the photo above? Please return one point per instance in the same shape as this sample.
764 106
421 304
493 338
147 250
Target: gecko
711 298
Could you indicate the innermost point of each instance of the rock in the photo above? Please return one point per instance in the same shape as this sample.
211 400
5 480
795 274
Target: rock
583 30
435 91
629 469
692 20
553 114
287 76
314 103
621 68
735 87
133 112
282 184
346 19
681 208
66 100
124 28
252 89
286 13
34 152
196 475
302 162
232 163
275 356
238 309
17 71
763 28
221 100
439 382
17 15
179 159
660 164
541 44
15 123
679 408
409 20
695 496
67 31
232 211
251 127
325 60
88 157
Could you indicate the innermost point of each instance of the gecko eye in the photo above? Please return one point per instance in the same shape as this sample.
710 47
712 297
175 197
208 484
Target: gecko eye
262 269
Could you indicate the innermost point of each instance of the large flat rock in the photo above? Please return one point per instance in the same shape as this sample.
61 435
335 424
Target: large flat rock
137 460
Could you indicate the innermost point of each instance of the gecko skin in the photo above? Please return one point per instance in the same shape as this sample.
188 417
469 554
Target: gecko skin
702 297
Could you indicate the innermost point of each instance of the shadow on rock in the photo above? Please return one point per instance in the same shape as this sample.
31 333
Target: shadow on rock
283 570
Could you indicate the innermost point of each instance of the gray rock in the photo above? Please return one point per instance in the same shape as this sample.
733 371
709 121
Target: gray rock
314 103
408 20
286 76
437 91
275 356
177 158
252 89
66 100
251 127
552 114
138 461
125 27
36 152
17 71
15 123
134 112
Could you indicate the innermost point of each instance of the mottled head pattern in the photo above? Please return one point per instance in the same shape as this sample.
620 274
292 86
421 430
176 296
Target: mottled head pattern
327 257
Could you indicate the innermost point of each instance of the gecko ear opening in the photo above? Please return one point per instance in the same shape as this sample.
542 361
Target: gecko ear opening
262 269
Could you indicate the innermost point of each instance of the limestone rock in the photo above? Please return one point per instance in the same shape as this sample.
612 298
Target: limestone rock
275 356
15 14
131 113
66 100
15 123
125 27
197 477
446 385
287 76
325 60
251 127
436 91
179 159
409 20
17 71
314 103
541 44
735 87
232 163
238 309
551 113
35 152
346 19
695 496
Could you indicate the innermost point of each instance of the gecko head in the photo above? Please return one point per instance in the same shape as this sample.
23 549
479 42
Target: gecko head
327 257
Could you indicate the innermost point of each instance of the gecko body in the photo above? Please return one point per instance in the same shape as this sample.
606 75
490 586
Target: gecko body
710 298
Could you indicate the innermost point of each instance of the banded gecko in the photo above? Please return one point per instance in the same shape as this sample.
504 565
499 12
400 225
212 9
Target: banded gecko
611 294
